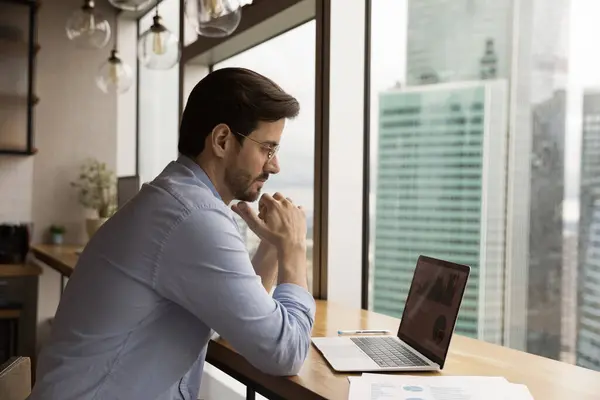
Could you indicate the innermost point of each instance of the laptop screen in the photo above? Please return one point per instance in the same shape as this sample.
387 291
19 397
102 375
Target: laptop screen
432 307
127 187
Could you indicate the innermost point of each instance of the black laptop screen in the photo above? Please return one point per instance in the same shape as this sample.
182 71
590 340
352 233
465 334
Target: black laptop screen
432 307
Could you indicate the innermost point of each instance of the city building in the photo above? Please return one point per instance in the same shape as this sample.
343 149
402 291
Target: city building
545 299
463 41
441 190
588 316
569 296
588 343
590 171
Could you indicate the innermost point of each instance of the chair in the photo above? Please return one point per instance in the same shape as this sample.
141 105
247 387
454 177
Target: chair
15 379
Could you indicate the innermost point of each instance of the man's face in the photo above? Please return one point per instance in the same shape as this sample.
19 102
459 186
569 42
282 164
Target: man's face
248 170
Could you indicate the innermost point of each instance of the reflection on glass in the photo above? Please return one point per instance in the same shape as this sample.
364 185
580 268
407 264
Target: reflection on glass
296 156
494 163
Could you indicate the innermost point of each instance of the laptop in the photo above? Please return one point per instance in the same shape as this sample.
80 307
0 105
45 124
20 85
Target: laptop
426 327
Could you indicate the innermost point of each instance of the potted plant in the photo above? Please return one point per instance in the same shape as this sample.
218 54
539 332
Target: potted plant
97 186
57 234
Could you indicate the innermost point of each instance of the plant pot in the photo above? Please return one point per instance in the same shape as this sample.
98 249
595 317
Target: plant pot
57 238
93 224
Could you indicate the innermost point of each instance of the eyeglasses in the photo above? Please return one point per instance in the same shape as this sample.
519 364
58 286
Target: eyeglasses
272 149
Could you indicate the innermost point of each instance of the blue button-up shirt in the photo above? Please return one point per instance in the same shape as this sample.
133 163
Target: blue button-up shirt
151 287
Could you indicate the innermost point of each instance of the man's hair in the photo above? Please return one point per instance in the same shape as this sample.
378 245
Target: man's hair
237 97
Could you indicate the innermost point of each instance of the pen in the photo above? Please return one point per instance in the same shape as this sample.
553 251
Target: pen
363 331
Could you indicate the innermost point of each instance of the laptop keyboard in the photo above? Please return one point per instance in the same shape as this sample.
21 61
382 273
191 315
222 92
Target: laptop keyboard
388 352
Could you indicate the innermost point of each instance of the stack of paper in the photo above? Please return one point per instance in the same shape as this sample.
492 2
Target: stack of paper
410 387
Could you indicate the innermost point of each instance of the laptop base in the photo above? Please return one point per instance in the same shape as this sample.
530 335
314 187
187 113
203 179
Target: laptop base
344 356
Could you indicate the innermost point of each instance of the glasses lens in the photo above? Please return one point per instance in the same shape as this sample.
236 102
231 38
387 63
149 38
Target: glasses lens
273 152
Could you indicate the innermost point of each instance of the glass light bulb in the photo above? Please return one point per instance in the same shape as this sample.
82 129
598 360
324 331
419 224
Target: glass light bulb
114 76
215 18
131 5
158 44
88 28
158 47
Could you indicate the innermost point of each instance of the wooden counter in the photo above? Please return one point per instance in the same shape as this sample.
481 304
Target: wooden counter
61 258
546 379
19 270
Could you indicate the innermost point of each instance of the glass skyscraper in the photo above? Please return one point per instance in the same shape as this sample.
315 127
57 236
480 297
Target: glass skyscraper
441 192
588 339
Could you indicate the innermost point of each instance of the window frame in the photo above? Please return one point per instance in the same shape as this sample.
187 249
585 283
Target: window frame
261 13
366 193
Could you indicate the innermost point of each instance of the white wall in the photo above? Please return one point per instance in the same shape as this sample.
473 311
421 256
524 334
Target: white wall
15 185
74 120
127 102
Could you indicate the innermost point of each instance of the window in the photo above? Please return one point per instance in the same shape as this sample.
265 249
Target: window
294 71
485 139
158 98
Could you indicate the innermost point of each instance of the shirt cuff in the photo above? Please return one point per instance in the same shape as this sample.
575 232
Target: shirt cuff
292 295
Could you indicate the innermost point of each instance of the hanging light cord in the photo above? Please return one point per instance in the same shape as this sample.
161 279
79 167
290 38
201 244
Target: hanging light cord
116 39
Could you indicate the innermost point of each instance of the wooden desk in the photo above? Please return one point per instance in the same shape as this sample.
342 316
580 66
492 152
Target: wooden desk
61 258
546 379
19 270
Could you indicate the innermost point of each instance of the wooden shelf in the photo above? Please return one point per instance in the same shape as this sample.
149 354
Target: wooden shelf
24 46
10 314
15 48
18 270
15 99
17 152
35 3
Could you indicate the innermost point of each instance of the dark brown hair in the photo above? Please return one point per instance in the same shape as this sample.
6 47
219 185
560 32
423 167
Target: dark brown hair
237 97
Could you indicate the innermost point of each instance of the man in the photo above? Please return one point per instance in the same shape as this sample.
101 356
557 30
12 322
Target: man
170 268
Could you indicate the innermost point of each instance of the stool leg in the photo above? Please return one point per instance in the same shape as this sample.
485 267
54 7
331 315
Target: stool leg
13 336
250 393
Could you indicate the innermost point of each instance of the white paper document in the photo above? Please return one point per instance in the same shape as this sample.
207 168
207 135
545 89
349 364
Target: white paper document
411 387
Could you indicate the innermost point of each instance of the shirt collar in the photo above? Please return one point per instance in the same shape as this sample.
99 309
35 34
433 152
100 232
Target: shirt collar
199 173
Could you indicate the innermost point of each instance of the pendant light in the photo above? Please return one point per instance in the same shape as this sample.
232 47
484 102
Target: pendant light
131 5
114 75
215 18
158 48
88 28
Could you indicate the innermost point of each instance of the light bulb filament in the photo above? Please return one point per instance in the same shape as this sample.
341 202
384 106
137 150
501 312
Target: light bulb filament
158 45
89 24
113 73
214 8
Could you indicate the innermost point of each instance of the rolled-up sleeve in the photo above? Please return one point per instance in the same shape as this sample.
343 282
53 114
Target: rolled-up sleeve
204 267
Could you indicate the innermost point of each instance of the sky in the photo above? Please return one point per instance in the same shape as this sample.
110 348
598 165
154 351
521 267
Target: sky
295 72
388 66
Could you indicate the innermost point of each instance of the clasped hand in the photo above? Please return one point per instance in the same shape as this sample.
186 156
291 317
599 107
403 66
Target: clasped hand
279 221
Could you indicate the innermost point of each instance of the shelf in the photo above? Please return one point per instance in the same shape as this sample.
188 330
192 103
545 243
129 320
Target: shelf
36 3
10 314
15 48
19 270
20 100
17 152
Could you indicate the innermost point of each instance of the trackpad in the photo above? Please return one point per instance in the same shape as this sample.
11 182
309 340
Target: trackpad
343 352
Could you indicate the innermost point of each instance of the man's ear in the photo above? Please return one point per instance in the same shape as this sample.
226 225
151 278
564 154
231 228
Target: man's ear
220 140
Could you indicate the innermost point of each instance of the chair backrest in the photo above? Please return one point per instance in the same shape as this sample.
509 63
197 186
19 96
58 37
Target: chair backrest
15 379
